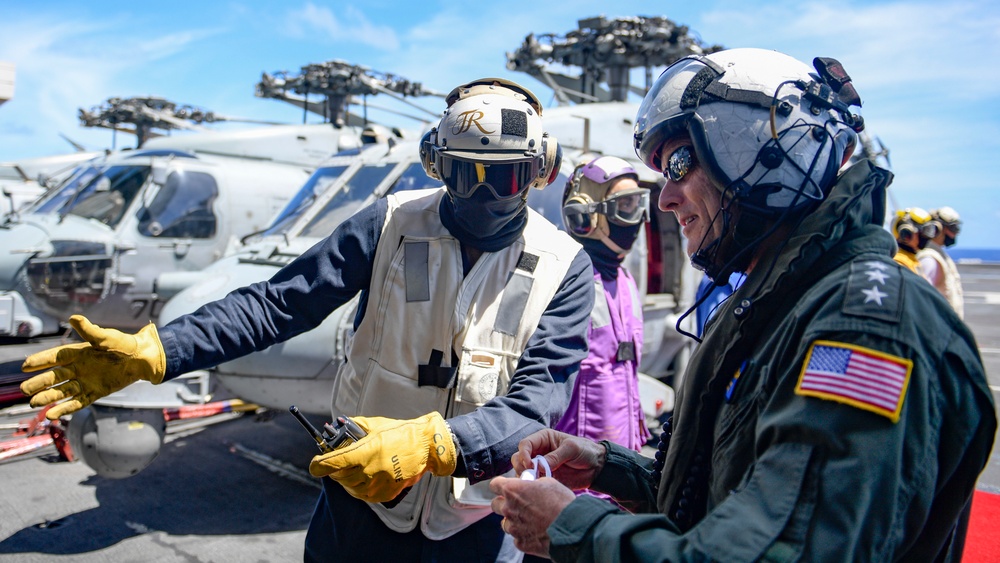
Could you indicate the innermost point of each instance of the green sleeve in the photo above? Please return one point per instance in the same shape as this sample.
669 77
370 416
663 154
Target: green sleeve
829 481
628 477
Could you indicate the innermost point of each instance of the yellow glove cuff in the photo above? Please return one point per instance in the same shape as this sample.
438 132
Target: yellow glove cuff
443 457
150 350
394 455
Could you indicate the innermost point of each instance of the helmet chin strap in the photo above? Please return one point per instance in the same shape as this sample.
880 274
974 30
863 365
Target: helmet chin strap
706 257
745 234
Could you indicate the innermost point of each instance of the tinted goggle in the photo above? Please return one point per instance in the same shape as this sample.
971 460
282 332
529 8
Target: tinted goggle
624 208
930 230
506 180
677 165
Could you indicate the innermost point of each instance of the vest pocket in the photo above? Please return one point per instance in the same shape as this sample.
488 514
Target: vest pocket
482 376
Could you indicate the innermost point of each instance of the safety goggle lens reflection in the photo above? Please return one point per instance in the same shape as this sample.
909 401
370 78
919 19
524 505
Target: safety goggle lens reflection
627 208
505 180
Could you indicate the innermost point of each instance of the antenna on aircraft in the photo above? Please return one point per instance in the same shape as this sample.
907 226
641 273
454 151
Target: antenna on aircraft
605 51
338 82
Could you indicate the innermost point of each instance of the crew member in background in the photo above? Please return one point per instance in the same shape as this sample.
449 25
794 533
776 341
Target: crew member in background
913 228
937 266
837 409
471 326
604 209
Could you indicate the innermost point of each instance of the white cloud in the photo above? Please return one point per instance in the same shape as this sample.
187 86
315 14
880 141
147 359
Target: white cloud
930 45
924 69
351 26
61 67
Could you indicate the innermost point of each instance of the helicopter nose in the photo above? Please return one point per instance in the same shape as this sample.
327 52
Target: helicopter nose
73 278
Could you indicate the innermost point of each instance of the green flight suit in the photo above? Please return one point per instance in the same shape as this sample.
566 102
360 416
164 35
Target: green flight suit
759 468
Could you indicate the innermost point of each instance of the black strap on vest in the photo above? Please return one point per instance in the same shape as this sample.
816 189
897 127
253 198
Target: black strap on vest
434 375
626 351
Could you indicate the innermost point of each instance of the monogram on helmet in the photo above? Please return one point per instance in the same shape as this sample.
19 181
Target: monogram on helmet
491 134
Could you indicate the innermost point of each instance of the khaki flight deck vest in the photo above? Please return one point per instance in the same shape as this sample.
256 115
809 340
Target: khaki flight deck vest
952 289
424 318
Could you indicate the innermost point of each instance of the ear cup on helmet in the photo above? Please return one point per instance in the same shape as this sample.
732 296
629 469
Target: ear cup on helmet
427 143
549 171
579 223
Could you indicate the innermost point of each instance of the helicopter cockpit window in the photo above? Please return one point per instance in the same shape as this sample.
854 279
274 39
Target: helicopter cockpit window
548 202
69 188
414 178
348 200
182 208
10 172
317 184
107 196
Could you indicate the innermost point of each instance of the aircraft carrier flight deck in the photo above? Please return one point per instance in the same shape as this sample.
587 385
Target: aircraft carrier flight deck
236 487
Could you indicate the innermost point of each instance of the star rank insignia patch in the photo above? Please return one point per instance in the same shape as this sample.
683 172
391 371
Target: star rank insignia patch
857 376
873 290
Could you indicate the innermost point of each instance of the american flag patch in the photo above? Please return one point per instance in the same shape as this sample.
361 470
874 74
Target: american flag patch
858 376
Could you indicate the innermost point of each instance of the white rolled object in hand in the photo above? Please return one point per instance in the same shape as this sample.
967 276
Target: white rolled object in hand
532 474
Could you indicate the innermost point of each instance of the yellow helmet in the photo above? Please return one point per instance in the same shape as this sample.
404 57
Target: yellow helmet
914 220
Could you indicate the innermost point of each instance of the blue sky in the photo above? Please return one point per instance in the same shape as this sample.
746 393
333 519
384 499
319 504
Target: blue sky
927 71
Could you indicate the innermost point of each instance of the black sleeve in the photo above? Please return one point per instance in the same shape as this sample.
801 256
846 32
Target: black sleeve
296 299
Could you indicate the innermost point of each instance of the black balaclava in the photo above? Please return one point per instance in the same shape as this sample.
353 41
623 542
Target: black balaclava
482 221
604 258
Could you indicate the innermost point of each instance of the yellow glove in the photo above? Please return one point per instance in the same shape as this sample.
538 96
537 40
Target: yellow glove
108 361
393 456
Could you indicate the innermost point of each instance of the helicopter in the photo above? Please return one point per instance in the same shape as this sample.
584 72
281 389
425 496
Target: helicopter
23 181
97 242
300 371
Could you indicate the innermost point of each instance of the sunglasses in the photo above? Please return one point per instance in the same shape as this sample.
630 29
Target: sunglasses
679 163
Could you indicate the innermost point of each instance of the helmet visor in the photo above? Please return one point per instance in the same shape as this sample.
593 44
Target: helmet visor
506 180
664 112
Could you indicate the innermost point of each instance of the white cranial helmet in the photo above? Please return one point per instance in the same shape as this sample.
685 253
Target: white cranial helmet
491 134
948 217
768 129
